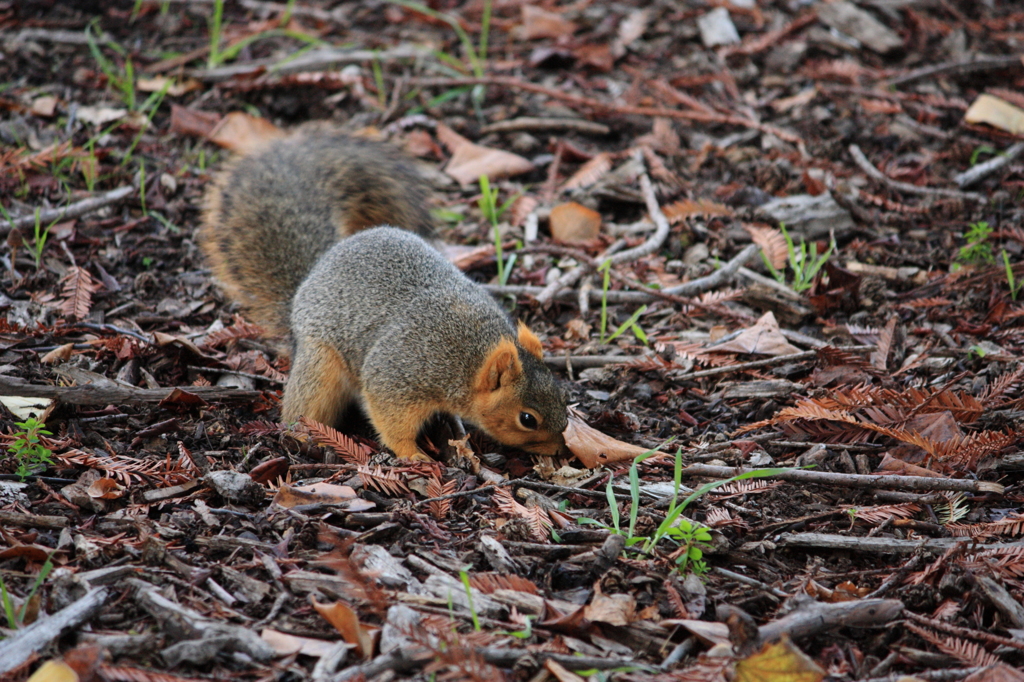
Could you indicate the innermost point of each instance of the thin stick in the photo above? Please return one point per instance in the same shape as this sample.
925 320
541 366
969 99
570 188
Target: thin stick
692 288
869 168
983 170
652 244
71 210
531 123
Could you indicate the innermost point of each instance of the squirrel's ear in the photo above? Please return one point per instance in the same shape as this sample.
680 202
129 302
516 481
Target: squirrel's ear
500 367
529 341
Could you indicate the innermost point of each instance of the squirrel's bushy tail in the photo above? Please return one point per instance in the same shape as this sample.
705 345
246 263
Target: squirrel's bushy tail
271 214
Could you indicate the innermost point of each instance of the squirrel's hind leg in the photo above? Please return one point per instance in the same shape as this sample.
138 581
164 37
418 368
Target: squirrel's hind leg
320 386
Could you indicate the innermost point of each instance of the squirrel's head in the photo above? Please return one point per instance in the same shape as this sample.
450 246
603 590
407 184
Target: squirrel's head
516 399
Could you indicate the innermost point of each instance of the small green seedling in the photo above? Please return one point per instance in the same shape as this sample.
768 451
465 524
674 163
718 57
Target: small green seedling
488 203
40 235
804 262
469 596
605 268
15 619
29 452
977 251
1015 286
121 79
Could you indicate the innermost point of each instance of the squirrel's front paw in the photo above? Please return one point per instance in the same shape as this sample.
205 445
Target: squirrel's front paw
411 453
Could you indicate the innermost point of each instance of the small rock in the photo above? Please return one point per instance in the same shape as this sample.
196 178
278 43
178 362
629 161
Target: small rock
809 217
597 375
696 254
574 224
599 395
858 24
716 28
235 487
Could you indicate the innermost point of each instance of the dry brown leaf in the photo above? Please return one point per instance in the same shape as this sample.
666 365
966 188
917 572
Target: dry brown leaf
321 494
997 113
174 88
614 609
346 622
469 160
764 338
780 661
185 121
594 448
241 132
772 242
285 644
540 23
58 354
561 673
105 489
573 223
44 106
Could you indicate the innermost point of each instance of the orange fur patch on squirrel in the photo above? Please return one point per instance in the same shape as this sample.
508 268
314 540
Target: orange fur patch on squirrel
499 368
529 341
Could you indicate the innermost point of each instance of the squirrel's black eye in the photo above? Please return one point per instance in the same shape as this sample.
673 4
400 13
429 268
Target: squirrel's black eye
528 421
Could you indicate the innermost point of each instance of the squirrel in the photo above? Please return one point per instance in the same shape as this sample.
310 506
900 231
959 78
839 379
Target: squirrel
300 233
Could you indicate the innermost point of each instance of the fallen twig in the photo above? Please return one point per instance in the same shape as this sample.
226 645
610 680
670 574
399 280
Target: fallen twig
17 648
884 481
973 66
74 210
869 168
983 170
107 394
513 125
879 545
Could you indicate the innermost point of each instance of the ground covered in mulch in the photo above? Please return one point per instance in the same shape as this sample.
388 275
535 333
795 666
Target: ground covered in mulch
158 522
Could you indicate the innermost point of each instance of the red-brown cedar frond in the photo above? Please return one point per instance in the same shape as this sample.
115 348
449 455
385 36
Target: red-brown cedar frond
970 653
186 462
830 356
651 363
1006 562
128 469
521 208
861 395
590 172
827 432
538 519
387 482
716 297
437 488
659 171
119 673
239 329
1014 233
262 427
488 583
79 286
921 577
881 513
675 599
885 415
772 242
737 488
349 450
1012 525
689 208
962 453
927 302
699 354
1004 385
812 410
462 663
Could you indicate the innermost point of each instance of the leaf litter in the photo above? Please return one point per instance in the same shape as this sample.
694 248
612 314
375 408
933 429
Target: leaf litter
182 533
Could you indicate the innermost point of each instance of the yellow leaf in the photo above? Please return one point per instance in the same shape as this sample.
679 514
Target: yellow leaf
54 671
778 662
997 113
